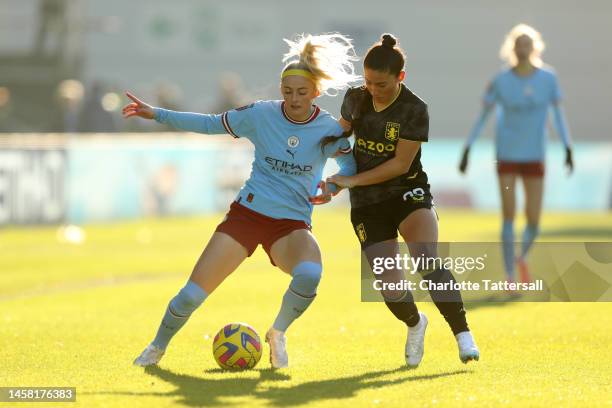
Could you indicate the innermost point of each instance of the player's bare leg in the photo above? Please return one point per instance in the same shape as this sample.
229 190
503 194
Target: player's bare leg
534 187
220 258
400 302
507 184
420 232
298 255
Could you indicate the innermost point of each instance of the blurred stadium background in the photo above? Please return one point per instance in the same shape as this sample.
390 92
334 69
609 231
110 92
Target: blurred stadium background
66 156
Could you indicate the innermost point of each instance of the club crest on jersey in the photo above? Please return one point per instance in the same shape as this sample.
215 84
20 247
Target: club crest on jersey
361 233
293 141
392 131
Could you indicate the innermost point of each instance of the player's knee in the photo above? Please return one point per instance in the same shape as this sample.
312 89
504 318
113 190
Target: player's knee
189 298
306 278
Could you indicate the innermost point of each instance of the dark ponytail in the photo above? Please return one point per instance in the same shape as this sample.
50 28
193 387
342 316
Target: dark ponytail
332 139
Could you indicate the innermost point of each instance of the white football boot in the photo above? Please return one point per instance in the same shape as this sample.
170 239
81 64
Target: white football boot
150 356
415 343
278 348
468 350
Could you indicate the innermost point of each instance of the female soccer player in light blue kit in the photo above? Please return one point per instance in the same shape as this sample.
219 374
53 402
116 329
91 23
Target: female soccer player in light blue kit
523 94
273 208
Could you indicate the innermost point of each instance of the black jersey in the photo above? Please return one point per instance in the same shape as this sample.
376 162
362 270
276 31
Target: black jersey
376 137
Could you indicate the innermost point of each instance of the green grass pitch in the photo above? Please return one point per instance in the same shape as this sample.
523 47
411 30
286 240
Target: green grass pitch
77 315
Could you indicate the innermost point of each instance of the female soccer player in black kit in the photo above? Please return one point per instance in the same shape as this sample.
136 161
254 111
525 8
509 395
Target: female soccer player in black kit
390 192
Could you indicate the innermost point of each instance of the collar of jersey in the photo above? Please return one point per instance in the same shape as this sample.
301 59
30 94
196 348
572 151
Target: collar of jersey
392 102
312 117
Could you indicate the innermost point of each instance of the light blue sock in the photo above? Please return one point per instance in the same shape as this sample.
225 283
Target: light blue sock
302 291
529 235
179 309
508 246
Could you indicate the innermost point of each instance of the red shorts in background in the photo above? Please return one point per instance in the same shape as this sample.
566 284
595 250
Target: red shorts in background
251 228
526 169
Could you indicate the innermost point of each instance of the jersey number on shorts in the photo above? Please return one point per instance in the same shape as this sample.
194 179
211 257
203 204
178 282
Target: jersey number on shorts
416 194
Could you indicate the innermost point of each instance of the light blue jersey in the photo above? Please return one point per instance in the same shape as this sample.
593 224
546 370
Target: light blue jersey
522 104
288 158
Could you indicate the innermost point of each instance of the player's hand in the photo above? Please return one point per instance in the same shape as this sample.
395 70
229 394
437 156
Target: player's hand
342 181
464 161
137 108
346 125
325 196
569 161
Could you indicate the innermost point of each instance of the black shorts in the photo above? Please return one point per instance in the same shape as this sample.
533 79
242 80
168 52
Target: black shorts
380 222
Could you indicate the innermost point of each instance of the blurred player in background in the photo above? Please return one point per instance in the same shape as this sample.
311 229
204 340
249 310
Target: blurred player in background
273 207
523 94
390 191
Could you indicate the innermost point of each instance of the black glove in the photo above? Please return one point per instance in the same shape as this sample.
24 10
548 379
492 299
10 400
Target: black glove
569 161
464 160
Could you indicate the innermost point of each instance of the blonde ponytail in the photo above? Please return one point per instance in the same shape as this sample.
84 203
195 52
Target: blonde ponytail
327 57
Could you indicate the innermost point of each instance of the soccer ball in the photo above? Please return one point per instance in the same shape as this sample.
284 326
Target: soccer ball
237 347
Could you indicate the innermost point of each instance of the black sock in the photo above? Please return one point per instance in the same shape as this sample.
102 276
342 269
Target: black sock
405 309
448 302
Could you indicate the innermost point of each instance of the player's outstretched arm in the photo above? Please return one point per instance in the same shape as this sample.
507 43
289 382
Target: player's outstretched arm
474 134
189 121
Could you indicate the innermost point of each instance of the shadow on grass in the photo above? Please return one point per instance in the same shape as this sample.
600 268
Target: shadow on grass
201 391
345 387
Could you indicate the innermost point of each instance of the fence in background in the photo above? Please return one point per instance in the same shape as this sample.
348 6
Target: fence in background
53 178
